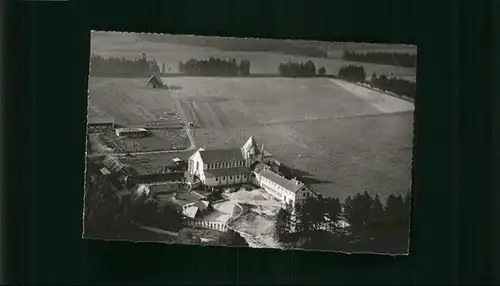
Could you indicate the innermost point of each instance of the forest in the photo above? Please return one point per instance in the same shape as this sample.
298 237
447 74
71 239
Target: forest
215 67
383 58
122 67
399 86
371 226
108 215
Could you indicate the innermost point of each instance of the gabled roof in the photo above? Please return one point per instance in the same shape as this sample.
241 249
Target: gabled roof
227 172
202 205
259 167
155 79
251 147
190 212
112 164
131 129
221 155
291 185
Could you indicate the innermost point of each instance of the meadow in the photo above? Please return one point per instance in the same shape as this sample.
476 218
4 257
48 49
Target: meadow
171 51
344 138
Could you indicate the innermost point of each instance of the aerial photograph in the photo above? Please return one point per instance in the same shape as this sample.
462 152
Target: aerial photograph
246 142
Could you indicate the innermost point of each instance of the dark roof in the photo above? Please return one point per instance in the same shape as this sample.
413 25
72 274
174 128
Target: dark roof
227 172
291 185
258 167
202 205
221 155
113 164
155 79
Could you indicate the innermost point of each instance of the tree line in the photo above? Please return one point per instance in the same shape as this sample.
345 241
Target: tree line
215 67
122 67
384 58
240 44
304 69
111 216
356 73
352 73
394 84
371 226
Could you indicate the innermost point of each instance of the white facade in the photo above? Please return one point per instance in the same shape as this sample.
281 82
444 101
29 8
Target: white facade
219 172
229 167
286 191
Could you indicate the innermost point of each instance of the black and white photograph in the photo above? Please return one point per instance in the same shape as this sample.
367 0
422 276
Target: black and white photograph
247 142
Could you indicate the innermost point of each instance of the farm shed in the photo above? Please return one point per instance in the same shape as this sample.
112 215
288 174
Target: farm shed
101 122
132 132
112 164
156 82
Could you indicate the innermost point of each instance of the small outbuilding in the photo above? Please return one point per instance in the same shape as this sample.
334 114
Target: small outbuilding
156 82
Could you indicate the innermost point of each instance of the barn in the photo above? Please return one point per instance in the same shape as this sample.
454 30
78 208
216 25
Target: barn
156 82
101 122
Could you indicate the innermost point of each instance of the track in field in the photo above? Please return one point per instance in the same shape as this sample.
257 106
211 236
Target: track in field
223 119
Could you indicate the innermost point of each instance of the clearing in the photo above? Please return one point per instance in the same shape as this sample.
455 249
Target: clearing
343 138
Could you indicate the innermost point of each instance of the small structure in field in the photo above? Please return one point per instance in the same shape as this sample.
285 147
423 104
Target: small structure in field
156 82
132 132
98 124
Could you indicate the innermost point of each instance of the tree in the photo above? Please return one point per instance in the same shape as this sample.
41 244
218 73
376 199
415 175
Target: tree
357 211
283 224
290 68
303 222
231 238
333 211
352 73
163 70
397 213
322 71
105 214
187 236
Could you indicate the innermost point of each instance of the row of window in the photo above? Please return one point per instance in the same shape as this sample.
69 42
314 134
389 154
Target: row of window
219 165
279 187
231 177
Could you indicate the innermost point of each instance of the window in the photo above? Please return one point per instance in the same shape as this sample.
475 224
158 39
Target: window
230 177
216 179
223 178
238 176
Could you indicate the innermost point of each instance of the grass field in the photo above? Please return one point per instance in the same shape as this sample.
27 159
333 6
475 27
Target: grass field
129 45
344 137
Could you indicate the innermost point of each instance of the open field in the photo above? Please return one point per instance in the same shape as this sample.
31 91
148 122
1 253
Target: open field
344 137
132 104
170 52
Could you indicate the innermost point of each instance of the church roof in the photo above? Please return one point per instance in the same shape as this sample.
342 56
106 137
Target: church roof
221 155
227 172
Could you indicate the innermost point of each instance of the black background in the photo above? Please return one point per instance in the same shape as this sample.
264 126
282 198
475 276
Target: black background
46 69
